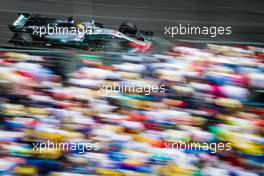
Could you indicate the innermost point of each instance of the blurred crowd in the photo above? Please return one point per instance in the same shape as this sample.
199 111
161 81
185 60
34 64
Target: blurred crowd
209 95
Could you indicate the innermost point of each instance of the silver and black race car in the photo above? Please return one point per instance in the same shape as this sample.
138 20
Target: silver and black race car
50 32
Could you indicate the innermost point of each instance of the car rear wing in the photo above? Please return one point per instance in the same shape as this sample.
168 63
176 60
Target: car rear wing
20 22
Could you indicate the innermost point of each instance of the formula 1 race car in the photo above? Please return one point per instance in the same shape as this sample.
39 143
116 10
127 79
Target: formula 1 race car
39 30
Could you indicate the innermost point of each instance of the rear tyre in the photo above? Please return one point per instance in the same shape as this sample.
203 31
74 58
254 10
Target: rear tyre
22 40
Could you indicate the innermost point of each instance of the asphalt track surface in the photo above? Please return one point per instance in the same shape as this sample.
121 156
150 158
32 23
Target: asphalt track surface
246 17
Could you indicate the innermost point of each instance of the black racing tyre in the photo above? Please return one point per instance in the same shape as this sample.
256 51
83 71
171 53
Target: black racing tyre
22 40
128 28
